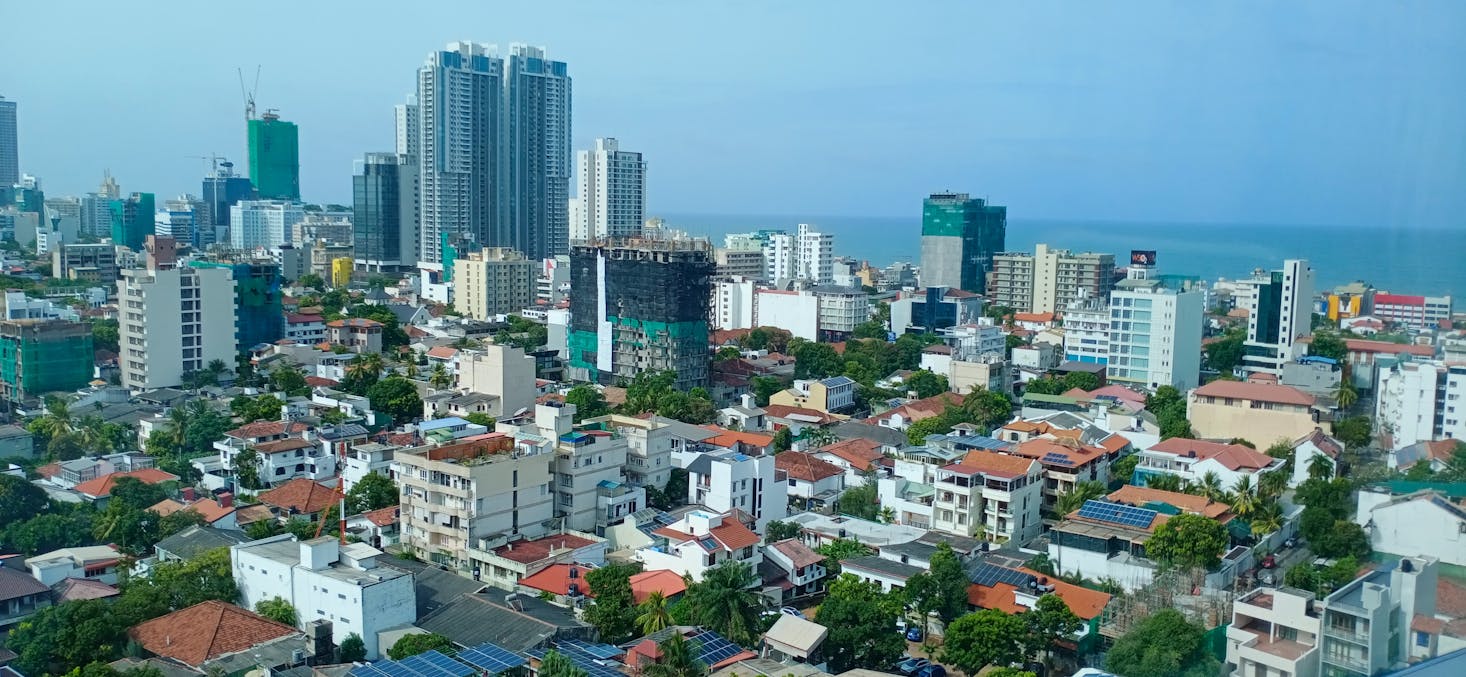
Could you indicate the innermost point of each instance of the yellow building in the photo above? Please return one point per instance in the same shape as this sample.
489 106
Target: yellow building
1350 300
829 395
341 271
1261 413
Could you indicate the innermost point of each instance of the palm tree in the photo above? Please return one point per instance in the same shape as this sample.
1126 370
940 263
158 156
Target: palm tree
888 515
654 615
1074 498
1244 497
819 437
1210 486
679 659
1273 484
1267 519
1164 482
57 421
725 602
440 378
365 366
1320 467
1346 396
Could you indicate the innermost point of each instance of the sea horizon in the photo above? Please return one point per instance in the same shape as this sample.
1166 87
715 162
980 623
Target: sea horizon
1394 259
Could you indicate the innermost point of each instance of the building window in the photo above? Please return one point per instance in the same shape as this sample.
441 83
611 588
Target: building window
1422 639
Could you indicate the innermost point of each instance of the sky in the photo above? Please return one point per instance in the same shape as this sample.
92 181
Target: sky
1332 112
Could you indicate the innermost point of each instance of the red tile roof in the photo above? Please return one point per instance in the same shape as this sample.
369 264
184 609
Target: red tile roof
1042 447
102 486
1259 392
665 581
807 467
557 578
321 382
785 411
443 352
527 552
287 444
305 496
208 508
1231 456
731 438
798 553
1197 505
382 517
302 318
999 596
206 631
991 463
1085 603
49 470
733 535
1365 346
71 589
859 452
917 410
355 322
1033 317
258 429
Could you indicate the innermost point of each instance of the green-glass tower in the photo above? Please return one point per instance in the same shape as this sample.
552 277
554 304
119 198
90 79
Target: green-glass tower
959 236
132 220
274 158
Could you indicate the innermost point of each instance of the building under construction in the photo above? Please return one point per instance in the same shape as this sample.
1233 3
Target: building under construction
42 356
640 305
259 309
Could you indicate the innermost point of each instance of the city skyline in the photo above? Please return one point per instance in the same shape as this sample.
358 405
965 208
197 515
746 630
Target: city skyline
1299 114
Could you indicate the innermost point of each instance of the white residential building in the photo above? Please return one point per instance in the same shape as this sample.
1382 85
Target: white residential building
93 563
651 443
612 192
408 126
263 224
474 494
811 478
994 496
500 371
364 459
1421 401
733 304
588 466
1420 522
1274 631
493 281
1048 280
793 311
805 255
727 480
286 450
1087 331
173 321
322 579
1364 626
1279 312
1191 460
1313 445
1155 335
700 541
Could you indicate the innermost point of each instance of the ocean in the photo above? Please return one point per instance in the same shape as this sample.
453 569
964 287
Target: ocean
1399 260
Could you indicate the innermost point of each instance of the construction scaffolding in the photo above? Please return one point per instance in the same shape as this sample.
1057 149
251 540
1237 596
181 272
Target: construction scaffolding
42 356
1168 590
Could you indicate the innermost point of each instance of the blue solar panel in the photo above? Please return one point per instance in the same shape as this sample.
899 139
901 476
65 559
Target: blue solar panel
394 669
713 648
491 659
365 671
601 651
581 659
1117 513
436 664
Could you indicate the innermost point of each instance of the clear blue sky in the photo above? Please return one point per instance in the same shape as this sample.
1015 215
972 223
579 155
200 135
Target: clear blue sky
1331 112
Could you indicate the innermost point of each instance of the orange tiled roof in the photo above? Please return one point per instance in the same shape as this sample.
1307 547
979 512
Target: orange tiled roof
305 496
526 552
206 631
859 452
258 429
917 410
785 411
1199 505
807 467
443 352
991 463
669 583
382 517
1231 456
1085 603
733 535
798 553
208 508
1033 317
1068 447
557 578
1000 596
102 486
1259 392
730 438
287 444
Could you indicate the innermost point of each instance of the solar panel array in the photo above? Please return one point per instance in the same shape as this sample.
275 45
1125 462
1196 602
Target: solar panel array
649 523
1054 457
485 657
491 659
581 658
713 648
988 575
600 651
1116 513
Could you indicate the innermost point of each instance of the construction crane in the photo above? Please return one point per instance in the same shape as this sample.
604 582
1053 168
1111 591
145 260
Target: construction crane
249 94
213 158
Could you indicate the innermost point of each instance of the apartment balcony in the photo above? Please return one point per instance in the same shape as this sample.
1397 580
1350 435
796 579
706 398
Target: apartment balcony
1356 664
1352 635
1255 644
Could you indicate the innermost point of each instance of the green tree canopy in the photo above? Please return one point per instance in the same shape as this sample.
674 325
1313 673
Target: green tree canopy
862 626
556 664
614 610
1163 645
352 649
778 530
983 638
277 609
412 645
588 401
926 384
19 500
397 397
1169 407
1330 345
1186 541
372 492
1355 431
725 602
942 588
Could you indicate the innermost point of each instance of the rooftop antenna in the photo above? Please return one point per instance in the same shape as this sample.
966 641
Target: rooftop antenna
249 94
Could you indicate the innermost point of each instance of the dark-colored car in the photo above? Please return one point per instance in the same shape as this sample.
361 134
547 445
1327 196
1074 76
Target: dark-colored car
911 665
932 670
913 634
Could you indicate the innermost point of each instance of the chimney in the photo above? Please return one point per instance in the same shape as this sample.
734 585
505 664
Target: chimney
226 500
746 399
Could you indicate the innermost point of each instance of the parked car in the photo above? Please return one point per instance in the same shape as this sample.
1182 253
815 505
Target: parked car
791 611
912 664
1291 542
913 634
932 670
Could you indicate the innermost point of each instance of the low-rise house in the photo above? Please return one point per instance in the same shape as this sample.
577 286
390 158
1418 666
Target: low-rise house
1313 445
564 583
858 457
194 541
797 570
68 474
744 416
1192 460
700 541
1262 412
217 512
322 579
364 458
357 334
94 562
890 575
299 498
817 530
996 496
377 528
794 640
665 581
78 589
1422 518
284 451
919 552
799 420
1017 590
830 395
16 442
20 594
99 490
512 621
1069 447
509 562
215 637
901 417
1105 539
812 480
727 480
306 329
1437 453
